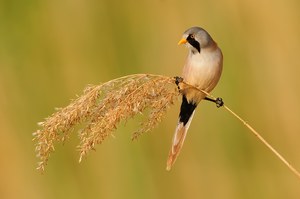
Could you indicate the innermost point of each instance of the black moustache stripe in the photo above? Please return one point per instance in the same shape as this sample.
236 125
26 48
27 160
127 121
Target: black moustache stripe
194 43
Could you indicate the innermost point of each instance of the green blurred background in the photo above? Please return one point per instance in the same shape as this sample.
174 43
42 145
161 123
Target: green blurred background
50 50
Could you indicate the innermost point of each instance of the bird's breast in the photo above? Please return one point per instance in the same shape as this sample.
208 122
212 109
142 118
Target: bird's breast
203 70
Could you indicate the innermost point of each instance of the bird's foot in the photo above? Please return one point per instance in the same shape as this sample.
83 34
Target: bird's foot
178 80
219 102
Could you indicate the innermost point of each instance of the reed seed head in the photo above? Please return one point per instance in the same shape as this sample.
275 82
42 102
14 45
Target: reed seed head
102 107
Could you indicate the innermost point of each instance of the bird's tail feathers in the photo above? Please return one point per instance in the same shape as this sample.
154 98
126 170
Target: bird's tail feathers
185 117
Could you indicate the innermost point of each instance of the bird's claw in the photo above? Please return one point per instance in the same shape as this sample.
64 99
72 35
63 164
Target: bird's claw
178 80
219 102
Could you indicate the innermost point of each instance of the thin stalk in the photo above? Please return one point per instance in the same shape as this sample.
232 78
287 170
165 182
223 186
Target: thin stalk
269 146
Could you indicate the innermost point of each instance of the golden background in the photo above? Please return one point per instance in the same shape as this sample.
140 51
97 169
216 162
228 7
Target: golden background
50 50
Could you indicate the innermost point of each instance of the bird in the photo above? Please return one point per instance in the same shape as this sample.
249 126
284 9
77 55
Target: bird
202 69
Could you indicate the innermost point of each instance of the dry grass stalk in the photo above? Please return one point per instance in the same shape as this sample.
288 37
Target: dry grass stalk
102 107
255 133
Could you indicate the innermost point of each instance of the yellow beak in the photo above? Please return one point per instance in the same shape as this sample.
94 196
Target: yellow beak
182 41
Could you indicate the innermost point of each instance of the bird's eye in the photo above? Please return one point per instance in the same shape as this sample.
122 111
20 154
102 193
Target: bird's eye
192 36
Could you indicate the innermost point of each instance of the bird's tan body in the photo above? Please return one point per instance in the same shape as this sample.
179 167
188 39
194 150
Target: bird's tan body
202 70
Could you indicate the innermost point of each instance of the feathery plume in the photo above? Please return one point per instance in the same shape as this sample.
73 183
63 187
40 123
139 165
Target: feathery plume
102 107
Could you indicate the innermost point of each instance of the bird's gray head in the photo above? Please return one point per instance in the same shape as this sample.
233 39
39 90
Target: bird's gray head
196 38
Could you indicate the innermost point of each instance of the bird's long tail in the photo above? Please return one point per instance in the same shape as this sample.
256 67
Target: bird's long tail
186 114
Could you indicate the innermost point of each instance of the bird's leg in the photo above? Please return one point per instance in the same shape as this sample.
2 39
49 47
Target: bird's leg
178 80
218 101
